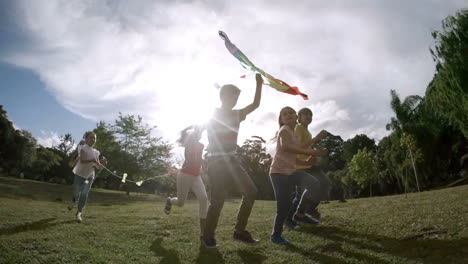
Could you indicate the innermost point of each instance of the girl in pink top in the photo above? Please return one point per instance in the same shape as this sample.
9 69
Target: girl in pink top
189 176
285 178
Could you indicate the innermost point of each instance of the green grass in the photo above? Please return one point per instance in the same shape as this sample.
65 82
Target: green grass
36 227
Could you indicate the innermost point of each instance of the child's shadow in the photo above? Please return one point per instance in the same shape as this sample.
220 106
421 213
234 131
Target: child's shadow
33 226
209 256
251 257
321 258
431 250
169 256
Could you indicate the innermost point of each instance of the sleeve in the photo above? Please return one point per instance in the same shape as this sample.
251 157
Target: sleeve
284 135
97 153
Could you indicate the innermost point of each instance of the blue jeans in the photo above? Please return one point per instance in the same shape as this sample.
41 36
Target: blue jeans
81 190
284 186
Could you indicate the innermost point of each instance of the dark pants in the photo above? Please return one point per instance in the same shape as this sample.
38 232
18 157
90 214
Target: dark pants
224 172
284 186
321 189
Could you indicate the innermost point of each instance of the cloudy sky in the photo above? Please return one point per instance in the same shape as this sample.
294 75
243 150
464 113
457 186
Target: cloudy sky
65 65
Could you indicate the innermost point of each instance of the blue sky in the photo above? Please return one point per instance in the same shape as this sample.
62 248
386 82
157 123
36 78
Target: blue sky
30 106
65 65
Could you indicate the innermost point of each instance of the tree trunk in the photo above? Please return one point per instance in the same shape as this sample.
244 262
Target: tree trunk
414 168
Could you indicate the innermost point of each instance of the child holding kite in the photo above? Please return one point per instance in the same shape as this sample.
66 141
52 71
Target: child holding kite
284 176
224 168
84 171
189 176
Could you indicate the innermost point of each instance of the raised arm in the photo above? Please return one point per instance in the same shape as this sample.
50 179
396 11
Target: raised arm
258 95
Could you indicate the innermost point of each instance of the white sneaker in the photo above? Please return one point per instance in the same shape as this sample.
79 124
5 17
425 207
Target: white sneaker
79 219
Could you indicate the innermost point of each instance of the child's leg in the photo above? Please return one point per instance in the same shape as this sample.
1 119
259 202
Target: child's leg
249 191
325 183
184 182
217 175
84 193
200 192
312 194
296 198
283 188
77 186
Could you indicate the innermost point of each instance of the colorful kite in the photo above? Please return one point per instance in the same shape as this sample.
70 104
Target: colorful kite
269 80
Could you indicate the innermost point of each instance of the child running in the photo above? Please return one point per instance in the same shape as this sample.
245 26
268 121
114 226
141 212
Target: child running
189 176
285 178
224 168
84 173
305 116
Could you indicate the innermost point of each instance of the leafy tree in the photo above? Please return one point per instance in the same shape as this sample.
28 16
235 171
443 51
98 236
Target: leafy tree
363 168
408 142
66 145
334 145
447 94
255 159
353 145
17 147
46 159
141 155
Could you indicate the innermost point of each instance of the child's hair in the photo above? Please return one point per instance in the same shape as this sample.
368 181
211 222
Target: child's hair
280 122
227 90
187 133
87 134
304 111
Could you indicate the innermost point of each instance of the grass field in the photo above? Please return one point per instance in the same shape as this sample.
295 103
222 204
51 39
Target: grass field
36 227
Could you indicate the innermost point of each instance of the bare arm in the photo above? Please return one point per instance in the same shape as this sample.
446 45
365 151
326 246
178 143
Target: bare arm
284 141
258 95
321 135
309 162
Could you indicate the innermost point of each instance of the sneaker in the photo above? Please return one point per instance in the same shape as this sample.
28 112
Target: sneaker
315 214
79 218
209 243
292 225
244 236
279 240
305 220
167 208
70 206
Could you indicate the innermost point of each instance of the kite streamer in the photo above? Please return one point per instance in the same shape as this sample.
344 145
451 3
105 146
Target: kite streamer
247 64
139 183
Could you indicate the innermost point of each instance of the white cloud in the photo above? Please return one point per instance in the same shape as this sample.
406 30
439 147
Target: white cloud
160 59
48 139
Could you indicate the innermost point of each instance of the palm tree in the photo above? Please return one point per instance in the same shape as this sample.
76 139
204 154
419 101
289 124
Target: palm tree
404 122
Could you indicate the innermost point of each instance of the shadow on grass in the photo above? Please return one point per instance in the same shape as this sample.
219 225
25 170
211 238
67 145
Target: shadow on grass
428 250
251 257
169 256
209 256
34 226
321 258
